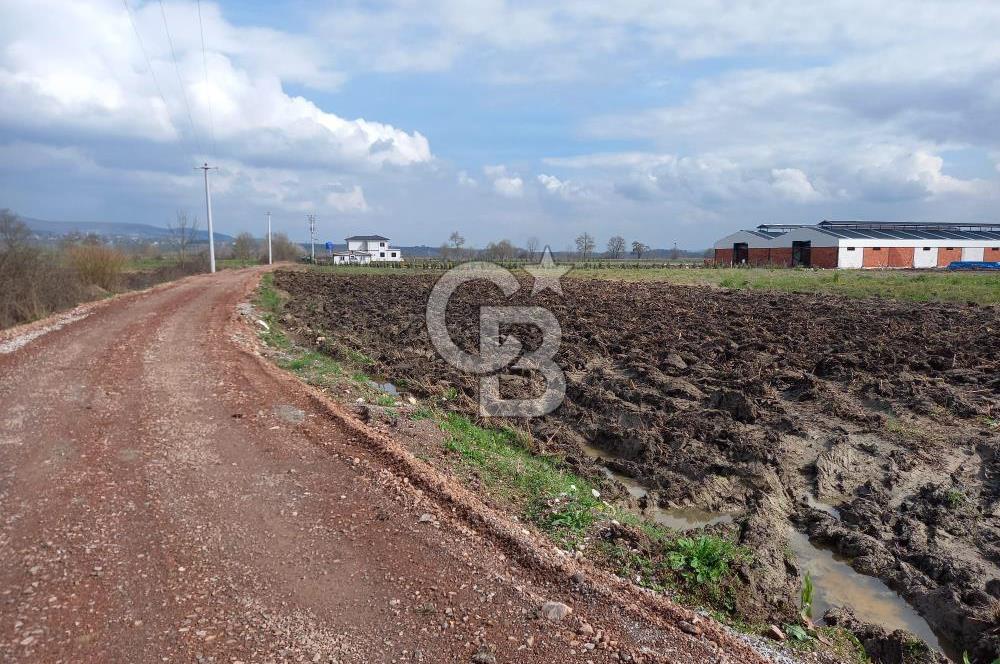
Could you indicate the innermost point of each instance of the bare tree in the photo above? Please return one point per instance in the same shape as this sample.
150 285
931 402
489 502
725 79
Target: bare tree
456 242
638 248
13 233
183 232
33 283
283 249
531 245
500 251
445 251
616 246
585 245
675 253
244 247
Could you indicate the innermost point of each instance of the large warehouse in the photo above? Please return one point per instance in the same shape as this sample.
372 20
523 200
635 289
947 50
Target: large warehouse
860 244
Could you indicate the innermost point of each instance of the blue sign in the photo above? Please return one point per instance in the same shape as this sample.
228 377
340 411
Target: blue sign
329 247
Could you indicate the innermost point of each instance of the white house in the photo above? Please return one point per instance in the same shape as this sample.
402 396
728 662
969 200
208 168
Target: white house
375 246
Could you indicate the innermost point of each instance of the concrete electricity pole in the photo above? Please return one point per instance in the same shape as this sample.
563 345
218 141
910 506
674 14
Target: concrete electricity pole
208 208
269 261
312 238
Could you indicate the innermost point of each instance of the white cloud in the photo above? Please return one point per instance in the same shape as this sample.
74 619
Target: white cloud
504 183
86 74
465 180
793 184
512 187
566 189
513 42
349 200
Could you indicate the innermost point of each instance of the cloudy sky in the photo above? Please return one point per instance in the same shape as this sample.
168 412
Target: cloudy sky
662 121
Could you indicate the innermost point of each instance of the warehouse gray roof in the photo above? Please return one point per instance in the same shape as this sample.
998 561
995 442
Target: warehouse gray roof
895 230
914 234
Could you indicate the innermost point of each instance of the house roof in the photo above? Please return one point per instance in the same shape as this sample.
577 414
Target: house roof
366 237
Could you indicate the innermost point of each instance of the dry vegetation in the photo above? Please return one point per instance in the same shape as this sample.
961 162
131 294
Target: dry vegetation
37 281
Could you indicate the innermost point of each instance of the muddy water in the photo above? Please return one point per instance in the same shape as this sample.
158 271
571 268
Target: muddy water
835 582
388 388
678 518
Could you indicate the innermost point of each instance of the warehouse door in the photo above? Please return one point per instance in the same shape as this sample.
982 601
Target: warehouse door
924 257
972 254
802 253
741 253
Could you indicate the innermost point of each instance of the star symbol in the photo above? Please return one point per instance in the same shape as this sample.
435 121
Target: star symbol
547 273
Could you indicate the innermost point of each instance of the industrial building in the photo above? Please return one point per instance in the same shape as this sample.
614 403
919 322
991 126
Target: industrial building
860 244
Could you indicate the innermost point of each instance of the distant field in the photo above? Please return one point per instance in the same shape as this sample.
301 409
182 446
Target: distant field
148 264
979 287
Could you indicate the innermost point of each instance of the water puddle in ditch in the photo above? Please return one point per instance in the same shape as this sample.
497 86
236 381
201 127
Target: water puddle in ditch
388 388
835 582
678 518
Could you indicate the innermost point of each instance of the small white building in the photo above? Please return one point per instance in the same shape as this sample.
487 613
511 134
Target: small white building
351 257
376 246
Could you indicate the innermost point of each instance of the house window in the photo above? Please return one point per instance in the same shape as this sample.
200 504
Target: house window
877 248
850 248
927 248
381 254
949 248
394 254
381 244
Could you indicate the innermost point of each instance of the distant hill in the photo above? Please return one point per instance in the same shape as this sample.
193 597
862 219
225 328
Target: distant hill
110 230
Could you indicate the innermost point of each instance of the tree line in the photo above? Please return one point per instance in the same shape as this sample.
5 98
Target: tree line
583 247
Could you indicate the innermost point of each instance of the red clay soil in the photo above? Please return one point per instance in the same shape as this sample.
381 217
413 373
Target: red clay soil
167 496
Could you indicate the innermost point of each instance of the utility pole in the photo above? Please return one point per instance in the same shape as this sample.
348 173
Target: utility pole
269 261
312 238
208 208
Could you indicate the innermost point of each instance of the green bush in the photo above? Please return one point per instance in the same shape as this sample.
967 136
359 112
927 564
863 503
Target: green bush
703 560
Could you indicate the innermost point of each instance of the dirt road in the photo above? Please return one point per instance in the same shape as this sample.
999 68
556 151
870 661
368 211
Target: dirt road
165 496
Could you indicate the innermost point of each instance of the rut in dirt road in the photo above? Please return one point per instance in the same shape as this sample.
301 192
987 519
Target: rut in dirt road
164 498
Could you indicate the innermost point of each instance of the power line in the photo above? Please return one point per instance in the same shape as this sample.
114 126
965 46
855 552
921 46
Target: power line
208 90
177 70
145 55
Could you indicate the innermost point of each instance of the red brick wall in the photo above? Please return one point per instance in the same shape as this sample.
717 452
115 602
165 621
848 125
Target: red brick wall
781 256
901 257
760 257
723 256
946 256
888 257
991 254
824 256
875 257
